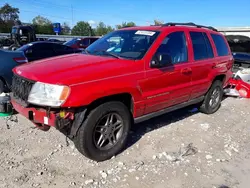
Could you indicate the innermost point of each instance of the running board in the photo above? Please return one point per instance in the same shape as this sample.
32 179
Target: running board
166 110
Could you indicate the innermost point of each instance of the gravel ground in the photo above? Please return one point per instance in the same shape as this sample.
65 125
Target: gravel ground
182 149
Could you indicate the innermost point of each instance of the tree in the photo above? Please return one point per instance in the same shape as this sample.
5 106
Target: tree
42 25
65 29
102 29
39 20
125 24
8 17
82 29
158 22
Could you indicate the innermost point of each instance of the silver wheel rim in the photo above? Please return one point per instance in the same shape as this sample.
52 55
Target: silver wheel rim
108 131
215 97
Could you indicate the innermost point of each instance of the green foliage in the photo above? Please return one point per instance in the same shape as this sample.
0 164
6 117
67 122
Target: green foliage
158 22
42 25
39 20
102 29
125 24
82 28
8 18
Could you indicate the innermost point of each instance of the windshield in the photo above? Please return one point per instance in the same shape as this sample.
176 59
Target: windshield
128 44
14 30
71 42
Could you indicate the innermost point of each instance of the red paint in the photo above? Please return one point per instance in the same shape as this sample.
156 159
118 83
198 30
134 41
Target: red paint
152 89
242 87
38 114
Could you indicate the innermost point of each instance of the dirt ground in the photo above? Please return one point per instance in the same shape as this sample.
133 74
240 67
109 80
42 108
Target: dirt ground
182 149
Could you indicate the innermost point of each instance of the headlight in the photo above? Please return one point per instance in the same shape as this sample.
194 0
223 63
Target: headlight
48 94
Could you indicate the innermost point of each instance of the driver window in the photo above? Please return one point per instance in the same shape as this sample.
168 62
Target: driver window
175 45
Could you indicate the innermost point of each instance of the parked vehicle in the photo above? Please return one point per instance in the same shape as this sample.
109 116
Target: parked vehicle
56 40
9 60
127 76
81 42
43 49
21 35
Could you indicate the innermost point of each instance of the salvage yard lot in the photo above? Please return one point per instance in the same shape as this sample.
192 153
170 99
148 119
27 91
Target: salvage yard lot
32 158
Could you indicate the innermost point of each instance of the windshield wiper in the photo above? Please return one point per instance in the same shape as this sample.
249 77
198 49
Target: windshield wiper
108 53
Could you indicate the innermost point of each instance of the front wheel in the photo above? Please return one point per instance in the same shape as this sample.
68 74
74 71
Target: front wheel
213 98
104 132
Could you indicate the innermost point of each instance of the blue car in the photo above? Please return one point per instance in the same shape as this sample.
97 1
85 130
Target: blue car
9 60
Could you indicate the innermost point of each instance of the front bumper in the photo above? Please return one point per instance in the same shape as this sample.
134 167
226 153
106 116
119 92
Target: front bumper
37 116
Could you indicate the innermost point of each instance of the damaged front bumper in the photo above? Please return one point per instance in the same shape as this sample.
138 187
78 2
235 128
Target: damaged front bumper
67 121
44 118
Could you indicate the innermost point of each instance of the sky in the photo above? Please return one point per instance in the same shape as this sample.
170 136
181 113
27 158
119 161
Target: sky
217 13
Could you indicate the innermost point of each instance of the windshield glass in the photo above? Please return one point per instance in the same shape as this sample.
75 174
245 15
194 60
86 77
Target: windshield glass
71 42
14 30
128 44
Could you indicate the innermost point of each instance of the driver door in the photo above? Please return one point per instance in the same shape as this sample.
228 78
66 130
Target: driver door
169 85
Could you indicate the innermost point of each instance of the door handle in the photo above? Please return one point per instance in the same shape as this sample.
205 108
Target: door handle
186 71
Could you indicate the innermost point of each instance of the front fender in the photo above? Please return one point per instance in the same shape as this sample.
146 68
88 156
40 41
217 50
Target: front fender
84 94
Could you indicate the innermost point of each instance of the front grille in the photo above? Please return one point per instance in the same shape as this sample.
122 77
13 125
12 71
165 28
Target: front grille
21 88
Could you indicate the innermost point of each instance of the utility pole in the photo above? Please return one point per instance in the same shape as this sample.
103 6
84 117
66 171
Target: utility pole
72 19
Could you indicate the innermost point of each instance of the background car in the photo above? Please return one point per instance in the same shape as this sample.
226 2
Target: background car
55 40
9 60
40 50
240 47
81 43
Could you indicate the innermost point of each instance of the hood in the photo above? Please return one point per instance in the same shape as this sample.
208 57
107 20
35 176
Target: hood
74 68
241 56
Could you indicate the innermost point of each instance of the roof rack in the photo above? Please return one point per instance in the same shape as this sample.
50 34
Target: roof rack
189 24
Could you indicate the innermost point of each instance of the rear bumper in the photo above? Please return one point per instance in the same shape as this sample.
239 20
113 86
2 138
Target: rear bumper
37 116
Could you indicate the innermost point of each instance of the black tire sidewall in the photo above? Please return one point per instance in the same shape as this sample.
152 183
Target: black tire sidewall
2 86
207 108
84 139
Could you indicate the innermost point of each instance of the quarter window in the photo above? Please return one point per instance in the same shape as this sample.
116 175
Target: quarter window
175 45
220 44
201 46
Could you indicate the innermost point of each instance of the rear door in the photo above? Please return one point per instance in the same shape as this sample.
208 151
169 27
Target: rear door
201 63
169 85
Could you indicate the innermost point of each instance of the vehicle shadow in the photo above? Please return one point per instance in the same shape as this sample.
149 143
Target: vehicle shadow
140 129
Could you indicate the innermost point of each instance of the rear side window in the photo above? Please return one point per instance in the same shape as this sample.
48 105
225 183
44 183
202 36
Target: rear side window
220 44
201 46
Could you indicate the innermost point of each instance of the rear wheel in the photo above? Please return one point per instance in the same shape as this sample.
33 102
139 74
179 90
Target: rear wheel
104 132
213 98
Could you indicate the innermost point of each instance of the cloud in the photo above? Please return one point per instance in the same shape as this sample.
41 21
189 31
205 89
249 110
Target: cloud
92 22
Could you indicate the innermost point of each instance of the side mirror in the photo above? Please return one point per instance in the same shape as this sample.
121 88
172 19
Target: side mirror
81 44
160 60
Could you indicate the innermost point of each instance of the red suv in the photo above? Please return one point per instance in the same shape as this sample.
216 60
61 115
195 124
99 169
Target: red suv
81 43
128 76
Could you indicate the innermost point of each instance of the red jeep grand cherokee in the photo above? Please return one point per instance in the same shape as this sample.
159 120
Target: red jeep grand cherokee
129 75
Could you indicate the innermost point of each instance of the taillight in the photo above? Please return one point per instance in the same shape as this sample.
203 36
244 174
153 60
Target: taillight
21 60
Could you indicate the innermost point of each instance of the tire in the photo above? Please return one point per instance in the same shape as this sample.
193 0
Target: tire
2 87
206 106
87 140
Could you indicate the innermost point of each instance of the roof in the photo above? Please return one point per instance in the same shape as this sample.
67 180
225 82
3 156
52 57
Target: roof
39 42
171 25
